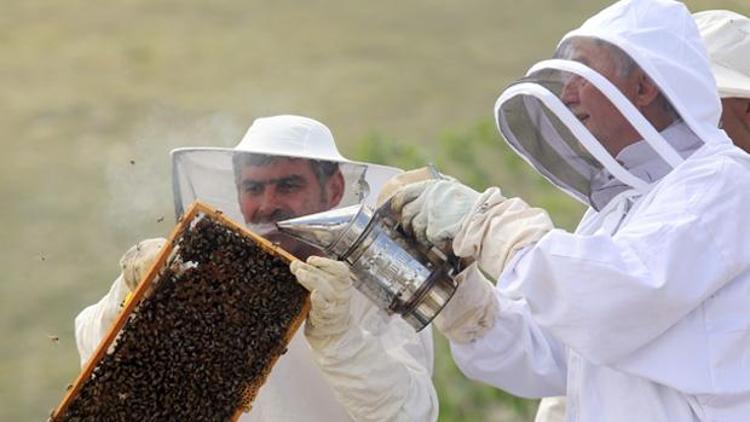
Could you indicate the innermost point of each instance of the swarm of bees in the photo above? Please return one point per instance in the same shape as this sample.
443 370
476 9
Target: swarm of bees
212 326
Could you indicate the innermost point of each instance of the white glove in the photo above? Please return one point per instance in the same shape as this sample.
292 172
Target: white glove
472 310
432 210
373 382
330 286
138 259
398 181
93 323
366 363
496 228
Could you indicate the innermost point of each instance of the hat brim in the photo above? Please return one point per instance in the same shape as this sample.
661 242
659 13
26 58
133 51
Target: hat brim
207 174
730 83
305 155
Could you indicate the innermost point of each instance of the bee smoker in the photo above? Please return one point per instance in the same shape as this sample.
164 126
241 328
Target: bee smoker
397 273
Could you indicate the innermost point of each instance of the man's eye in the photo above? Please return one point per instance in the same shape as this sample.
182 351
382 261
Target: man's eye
288 186
254 189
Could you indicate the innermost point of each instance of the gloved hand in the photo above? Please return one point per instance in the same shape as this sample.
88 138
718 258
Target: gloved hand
138 259
496 228
432 210
400 180
330 286
472 310
92 324
375 364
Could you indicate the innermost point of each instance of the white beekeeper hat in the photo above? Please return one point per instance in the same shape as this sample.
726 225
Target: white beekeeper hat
727 38
291 136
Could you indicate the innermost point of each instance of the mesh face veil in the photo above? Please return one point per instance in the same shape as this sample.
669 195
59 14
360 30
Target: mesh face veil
285 167
581 132
259 189
213 176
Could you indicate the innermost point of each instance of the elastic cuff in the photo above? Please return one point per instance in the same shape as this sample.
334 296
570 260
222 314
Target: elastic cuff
338 345
471 313
477 214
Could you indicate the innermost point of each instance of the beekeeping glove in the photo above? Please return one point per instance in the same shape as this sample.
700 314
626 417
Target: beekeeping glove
92 324
400 180
375 364
330 286
432 210
472 310
138 259
496 228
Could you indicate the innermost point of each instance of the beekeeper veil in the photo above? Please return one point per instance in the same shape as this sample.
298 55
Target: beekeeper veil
272 173
581 119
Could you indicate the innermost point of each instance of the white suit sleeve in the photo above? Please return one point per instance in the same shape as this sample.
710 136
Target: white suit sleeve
610 298
380 368
92 323
516 355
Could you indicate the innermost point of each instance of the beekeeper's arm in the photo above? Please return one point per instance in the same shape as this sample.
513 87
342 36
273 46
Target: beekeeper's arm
625 300
92 324
493 337
381 375
622 300
379 370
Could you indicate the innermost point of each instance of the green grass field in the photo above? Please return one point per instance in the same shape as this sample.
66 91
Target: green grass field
95 94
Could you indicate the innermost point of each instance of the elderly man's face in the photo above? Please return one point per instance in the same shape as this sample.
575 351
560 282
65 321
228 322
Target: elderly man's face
284 188
590 106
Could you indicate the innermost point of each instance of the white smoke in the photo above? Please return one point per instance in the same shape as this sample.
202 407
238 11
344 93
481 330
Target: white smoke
139 171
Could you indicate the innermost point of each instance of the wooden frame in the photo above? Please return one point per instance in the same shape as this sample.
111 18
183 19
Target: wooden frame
183 224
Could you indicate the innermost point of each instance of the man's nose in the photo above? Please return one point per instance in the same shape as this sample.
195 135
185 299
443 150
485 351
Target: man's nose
570 89
269 201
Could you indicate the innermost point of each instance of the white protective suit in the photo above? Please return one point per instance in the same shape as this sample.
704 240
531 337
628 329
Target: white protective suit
641 315
378 369
727 38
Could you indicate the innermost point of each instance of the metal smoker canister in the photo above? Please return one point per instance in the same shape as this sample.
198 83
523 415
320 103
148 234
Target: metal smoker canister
397 273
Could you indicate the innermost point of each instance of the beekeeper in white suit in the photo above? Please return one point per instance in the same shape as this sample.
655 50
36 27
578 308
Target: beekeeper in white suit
726 35
357 363
641 314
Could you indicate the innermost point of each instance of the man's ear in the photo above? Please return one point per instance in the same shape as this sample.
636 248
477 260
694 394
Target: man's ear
335 188
646 91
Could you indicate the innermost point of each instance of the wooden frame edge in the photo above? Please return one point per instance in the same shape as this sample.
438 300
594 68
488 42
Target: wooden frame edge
182 224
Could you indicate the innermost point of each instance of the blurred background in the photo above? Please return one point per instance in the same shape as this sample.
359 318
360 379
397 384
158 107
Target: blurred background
93 95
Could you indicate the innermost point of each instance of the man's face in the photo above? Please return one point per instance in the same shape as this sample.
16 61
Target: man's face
282 189
590 106
735 119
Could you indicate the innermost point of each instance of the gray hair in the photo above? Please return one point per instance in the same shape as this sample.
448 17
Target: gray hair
624 65
323 169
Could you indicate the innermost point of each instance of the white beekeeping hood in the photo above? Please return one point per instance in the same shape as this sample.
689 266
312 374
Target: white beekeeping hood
662 38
